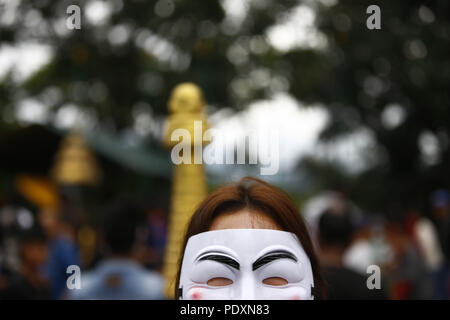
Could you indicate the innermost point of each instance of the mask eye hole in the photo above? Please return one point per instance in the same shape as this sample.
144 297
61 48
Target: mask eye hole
219 282
275 281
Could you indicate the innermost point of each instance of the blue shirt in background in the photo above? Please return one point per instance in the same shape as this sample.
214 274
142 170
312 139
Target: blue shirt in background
119 279
63 253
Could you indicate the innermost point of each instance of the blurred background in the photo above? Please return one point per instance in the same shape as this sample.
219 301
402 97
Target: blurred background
363 118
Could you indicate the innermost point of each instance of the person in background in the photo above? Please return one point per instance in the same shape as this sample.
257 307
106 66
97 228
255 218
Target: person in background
407 271
156 241
63 250
440 215
120 276
334 234
30 282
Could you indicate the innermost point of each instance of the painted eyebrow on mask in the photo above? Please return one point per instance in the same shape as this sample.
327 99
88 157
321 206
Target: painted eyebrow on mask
271 256
221 259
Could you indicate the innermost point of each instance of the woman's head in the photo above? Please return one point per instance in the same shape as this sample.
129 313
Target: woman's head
268 216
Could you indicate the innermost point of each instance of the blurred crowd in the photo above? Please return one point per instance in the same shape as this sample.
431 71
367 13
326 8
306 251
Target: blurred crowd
120 256
409 248
43 242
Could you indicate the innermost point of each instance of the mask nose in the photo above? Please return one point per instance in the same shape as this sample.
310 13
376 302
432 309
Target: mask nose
247 288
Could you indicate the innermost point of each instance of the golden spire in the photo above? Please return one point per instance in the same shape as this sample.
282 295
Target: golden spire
74 163
186 105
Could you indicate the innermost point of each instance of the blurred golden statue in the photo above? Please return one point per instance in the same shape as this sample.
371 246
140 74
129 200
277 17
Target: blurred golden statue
74 163
186 106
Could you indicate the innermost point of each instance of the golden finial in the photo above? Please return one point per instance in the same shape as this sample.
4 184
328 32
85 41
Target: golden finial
186 98
186 106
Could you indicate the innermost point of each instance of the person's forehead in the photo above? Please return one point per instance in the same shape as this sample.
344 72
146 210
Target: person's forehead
244 219
241 242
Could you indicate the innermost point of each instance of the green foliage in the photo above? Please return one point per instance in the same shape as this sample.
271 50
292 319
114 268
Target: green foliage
360 73
405 63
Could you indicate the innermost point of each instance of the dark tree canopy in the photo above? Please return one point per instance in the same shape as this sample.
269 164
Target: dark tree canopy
394 81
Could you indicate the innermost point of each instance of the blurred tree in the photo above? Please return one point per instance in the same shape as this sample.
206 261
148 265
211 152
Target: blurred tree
129 54
394 81
132 53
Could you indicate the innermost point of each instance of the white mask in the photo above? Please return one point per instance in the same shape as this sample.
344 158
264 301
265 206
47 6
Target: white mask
246 257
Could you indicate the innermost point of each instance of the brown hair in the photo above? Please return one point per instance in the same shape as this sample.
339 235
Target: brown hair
257 196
